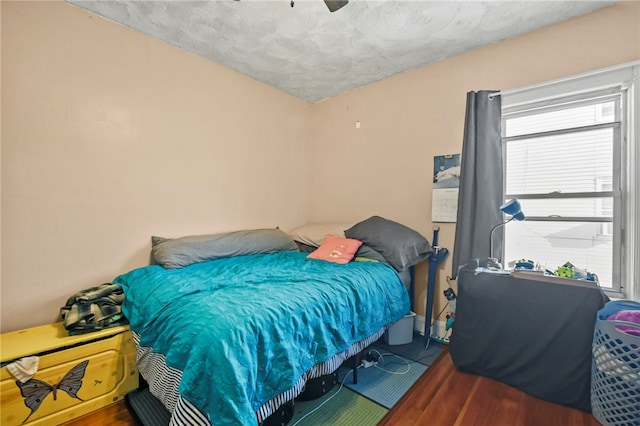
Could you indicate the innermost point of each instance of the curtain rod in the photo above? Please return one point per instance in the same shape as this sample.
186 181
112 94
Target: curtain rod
564 80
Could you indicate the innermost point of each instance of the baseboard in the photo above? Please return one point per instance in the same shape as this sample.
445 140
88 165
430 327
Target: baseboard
438 329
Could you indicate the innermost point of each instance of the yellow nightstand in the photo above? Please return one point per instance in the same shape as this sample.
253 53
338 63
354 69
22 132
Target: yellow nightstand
83 372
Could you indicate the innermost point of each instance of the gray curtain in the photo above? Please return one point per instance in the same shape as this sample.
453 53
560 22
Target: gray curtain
481 181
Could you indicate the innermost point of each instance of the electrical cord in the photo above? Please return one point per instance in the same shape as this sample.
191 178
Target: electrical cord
381 360
448 279
434 321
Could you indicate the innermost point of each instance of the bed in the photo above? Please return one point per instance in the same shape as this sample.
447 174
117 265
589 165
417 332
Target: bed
231 326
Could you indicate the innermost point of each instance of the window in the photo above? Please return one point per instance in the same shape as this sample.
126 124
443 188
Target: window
571 160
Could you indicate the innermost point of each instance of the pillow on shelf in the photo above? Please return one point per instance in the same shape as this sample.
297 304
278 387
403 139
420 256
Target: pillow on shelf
400 245
336 249
313 234
184 251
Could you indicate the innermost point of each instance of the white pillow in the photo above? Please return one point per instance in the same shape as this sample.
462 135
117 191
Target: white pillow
313 234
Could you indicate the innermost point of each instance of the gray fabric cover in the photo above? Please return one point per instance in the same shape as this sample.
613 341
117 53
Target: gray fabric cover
481 181
184 251
532 335
400 245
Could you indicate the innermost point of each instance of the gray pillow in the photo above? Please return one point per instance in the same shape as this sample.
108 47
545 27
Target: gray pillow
305 248
401 246
369 253
180 252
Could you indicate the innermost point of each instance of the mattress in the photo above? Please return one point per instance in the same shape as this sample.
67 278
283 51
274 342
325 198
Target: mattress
164 382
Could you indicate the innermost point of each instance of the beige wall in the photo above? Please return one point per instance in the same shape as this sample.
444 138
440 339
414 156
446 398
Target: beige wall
386 166
109 137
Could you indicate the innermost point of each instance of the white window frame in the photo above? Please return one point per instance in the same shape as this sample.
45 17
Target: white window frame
626 250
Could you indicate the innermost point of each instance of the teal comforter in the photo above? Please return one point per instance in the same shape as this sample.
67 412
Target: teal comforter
244 329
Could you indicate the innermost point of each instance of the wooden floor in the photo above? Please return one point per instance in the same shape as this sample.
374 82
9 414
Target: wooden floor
443 396
446 396
114 415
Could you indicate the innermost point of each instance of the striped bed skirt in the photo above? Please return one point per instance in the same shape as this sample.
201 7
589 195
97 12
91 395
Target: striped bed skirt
163 382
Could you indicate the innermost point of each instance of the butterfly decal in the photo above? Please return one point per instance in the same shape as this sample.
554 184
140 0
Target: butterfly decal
35 391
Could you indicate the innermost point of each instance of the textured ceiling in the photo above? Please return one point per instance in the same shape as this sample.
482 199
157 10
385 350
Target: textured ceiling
314 54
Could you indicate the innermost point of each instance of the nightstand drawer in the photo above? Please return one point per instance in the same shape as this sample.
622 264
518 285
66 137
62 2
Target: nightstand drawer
76 374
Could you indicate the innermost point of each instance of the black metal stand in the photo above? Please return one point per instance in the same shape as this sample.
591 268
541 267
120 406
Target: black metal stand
436 259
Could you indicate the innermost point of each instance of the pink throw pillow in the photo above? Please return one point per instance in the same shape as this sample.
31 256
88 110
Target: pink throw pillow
336 249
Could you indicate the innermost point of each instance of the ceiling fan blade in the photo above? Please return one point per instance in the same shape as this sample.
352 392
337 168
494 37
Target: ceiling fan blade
334 5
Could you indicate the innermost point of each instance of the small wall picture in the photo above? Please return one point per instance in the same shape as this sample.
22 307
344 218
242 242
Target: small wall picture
446 181
446 171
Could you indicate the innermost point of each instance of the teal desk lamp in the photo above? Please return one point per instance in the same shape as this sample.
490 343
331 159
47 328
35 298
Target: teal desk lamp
513 209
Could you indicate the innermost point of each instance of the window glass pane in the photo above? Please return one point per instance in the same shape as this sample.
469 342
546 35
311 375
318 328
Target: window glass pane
552 244
571 140
575 162
579 116
569 207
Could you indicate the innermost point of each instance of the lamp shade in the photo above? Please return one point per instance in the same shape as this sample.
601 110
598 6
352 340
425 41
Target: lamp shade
512 208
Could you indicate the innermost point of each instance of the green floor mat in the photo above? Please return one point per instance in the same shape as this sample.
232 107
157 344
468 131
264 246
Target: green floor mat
342 407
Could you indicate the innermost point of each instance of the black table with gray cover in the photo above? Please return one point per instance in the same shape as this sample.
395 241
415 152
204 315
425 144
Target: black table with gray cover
530 334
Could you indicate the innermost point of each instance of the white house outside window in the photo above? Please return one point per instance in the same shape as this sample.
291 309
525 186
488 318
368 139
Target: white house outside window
570 158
